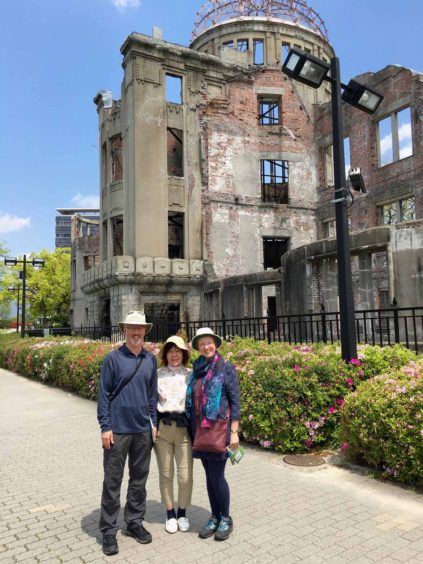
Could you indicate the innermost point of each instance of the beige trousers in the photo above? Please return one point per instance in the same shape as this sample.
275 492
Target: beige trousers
173 444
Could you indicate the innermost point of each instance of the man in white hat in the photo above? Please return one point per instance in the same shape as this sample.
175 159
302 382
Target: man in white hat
127 413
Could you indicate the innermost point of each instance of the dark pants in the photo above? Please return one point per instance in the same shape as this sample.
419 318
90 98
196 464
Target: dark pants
217 487
137 447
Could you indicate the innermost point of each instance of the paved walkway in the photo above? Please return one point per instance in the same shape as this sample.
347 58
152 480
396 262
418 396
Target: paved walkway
50 481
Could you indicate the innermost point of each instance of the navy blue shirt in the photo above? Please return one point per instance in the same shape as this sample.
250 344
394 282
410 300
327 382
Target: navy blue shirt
134 409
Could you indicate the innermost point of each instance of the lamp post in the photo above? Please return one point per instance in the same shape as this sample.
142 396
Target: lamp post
36 263
311 71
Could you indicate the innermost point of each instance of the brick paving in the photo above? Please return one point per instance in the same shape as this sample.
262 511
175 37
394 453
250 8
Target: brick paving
50 482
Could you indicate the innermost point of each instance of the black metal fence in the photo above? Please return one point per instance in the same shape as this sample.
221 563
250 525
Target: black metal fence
382 327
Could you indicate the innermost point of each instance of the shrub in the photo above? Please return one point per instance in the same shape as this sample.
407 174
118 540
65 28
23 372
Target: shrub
382 424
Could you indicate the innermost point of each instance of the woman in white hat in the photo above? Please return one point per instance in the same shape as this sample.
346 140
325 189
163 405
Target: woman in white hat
213 411
173 441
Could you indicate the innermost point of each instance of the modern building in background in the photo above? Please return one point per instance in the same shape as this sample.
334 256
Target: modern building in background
217 177
64 224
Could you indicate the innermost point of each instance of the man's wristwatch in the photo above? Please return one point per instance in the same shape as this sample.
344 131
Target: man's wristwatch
234 431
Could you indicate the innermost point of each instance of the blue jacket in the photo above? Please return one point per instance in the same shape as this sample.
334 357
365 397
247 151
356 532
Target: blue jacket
134 409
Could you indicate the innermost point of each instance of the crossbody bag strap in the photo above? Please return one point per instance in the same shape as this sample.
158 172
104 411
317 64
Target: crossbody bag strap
125 382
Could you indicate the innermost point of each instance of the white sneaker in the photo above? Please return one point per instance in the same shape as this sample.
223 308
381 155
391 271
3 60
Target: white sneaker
171 525
183 524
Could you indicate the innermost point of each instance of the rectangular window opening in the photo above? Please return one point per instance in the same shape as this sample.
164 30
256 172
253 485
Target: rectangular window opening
286 47
398 212
329 170
258 45
273 249
174 89
395 137
347 155
228 44
242 45
274 181
175 152
117 234
269 111
175 235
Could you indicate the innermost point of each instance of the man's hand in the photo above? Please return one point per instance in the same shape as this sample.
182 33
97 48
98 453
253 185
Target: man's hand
154 433
107 439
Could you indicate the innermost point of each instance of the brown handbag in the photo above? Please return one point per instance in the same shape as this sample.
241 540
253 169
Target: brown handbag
211 439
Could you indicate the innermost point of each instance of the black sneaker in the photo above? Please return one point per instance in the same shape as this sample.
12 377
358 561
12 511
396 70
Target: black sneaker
224 529
139 533
110 545
209 528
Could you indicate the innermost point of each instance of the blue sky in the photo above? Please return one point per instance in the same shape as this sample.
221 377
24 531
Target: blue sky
56 54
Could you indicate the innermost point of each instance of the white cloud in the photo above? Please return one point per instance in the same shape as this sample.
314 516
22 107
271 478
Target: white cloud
386 143
123 4
404 132
86 201
406 151
10 223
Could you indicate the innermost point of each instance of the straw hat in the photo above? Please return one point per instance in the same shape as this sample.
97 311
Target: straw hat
136 318
205 332
174 340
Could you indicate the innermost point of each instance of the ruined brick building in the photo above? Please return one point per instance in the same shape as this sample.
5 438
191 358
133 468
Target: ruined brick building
217 177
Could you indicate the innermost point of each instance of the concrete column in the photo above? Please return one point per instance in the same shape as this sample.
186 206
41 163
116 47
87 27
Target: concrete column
365 282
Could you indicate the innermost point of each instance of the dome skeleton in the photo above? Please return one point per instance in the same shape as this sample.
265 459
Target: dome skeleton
214 12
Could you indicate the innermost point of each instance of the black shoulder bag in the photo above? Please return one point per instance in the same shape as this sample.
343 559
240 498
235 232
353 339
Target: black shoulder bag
126 381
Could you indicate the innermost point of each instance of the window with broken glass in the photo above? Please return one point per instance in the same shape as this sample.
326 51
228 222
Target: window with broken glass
269 111
175 235
228 44
258 50
398 212
274 181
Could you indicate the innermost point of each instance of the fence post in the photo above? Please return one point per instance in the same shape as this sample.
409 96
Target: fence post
224 326
324 328
268 330
94 335
396 320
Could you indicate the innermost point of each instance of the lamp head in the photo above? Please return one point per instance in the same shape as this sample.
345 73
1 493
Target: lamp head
305 68
362 97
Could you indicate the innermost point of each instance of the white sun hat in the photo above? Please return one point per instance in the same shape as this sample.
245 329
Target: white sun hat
174 340
205 332
136 318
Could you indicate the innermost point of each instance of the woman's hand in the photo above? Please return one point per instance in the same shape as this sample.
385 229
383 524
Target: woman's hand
234 444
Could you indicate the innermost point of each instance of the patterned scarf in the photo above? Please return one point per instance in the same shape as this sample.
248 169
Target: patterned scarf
210 372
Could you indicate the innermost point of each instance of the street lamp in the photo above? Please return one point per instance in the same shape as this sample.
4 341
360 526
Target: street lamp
311 71
36 263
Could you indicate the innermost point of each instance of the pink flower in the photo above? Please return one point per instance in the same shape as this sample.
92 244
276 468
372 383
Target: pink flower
297 368
356 362
332 409
250 417
307 424
340 401
266 444
309 443
344 446
250 372
349 381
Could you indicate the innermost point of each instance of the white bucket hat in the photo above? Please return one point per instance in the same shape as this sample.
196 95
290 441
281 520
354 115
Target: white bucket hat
136 318
205 332
174 340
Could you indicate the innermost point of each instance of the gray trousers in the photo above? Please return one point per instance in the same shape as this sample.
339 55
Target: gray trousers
137 447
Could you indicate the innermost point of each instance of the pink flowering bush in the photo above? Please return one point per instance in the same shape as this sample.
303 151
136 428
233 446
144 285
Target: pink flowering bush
382 423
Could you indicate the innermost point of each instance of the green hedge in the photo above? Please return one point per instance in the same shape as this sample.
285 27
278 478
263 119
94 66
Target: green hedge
382 424
293 397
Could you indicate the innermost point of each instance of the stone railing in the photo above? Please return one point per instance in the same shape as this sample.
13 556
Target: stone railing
126 269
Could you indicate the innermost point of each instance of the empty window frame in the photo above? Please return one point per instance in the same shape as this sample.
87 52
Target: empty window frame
269 111
394 135
347 155
274 181
329 171
258 49
228 44
398 212
175 152
273 249
116 158
175 235
242 45
286 47
329 229
117 235
174 89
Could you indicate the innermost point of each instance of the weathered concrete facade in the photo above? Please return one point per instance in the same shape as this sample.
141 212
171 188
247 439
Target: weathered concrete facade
203 185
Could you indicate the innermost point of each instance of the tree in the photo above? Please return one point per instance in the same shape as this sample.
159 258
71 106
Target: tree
50 287
6 297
